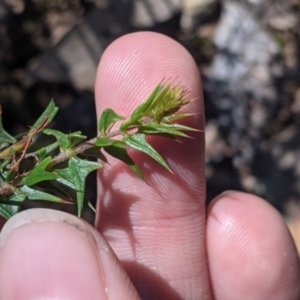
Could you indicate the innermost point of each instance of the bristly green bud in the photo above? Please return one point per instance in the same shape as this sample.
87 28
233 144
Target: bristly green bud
164 102
167 100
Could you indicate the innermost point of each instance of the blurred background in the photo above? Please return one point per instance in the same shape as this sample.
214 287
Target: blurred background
248 53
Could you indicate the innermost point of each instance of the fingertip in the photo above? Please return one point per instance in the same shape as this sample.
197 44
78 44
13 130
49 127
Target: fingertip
48 254
250 251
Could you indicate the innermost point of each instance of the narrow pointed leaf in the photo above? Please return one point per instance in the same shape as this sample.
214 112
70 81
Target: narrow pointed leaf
180 127
172 129
119 151
173 117
160 129
11 206
42 153
2 167
139 111
91 206
5 137
7 211
107 119
103 142
47 116
162 93
39 173
10 175
17 198
138 142
95 152
33 194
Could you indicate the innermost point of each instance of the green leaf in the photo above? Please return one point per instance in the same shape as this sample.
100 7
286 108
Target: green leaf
43 152
107 119
139 111
10 175
5 137
7 211
39 173
91 206
75 176
65 178
119 151
47 116
173 117
33 194
65 141
95 152
180 127
103 142
138 142
164 101
171 129
3 165
17 198
62 138
160 129
157 101
11 206
76 137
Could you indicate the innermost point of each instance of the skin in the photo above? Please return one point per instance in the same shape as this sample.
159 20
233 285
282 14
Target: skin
154 241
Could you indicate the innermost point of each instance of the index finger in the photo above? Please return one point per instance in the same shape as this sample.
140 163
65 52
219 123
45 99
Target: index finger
157 231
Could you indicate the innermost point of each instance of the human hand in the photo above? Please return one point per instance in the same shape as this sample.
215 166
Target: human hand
167 245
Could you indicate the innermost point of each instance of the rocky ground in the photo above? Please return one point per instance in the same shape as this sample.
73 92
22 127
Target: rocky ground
248 52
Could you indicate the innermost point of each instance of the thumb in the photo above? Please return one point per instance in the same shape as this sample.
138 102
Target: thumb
47 254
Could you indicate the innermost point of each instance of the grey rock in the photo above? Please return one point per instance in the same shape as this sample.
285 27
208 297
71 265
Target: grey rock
240 80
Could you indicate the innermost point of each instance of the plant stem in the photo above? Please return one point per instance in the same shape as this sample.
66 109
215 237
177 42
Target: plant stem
63 156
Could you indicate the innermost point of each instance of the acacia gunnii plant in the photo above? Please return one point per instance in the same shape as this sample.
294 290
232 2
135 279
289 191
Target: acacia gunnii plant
57 172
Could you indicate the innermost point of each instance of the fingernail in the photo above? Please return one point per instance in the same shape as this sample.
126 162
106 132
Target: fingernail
47 254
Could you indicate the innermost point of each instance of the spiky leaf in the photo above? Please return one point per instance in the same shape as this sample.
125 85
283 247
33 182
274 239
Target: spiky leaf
138 142
95 152
75 176
46 117
39 173
103 142
107 119
119 151
33 194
